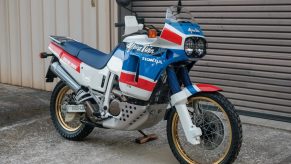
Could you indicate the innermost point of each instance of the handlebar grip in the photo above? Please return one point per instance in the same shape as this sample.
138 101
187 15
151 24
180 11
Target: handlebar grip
119 24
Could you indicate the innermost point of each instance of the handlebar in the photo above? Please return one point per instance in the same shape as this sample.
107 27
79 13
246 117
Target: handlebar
119 24
139 20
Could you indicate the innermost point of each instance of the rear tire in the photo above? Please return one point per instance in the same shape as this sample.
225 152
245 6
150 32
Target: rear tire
233 145
67 131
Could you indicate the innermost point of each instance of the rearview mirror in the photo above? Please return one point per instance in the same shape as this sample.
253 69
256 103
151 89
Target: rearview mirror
123 3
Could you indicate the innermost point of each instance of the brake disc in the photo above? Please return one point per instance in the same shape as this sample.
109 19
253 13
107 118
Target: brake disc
212 130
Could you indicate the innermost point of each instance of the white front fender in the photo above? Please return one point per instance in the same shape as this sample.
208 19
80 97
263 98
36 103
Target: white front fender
179 100
182 96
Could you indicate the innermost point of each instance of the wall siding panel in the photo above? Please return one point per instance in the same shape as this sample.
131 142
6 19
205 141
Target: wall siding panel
62 17
90 27
15 56
49 28
25 40
5 55
75 19
37 43
114 19
249 52
103 24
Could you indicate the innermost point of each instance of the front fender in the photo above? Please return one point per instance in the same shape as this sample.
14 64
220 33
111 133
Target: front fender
182 96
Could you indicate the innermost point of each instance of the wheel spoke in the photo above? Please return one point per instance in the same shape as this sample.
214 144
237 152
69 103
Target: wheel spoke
64 99
215 140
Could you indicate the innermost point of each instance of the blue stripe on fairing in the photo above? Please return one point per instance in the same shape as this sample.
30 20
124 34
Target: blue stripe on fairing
184 27
173 81
148 69
119 53
191 89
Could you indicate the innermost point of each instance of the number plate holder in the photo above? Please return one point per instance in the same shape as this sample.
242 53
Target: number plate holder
75 108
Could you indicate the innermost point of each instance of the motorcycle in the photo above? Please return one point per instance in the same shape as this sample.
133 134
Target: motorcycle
144 80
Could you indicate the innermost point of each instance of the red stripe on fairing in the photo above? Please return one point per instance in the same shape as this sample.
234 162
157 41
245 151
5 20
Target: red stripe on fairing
72 61
169 35
56 48
142 83
208 88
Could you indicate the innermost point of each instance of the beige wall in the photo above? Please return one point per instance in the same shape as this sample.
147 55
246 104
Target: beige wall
26 24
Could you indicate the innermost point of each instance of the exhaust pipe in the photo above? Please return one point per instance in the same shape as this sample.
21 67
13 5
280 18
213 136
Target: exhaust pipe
64 76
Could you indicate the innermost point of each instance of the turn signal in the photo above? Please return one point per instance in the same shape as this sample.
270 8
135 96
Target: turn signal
152 33
44 55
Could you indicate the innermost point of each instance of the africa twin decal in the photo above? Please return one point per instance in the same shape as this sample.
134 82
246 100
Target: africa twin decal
142 49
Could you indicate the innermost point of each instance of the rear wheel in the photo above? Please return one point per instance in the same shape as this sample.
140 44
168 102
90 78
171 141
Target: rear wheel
67 124
221 131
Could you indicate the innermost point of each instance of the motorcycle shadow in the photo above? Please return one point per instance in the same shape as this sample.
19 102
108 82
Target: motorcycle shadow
122 145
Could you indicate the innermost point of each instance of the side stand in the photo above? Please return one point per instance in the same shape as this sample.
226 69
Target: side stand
145 138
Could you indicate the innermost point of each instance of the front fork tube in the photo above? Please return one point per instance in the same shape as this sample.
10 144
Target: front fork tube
179 99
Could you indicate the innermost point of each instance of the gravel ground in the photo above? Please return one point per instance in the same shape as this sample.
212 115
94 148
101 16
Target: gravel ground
28 136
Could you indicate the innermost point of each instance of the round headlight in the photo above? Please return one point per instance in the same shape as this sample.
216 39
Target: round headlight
200 48
189 46
195 47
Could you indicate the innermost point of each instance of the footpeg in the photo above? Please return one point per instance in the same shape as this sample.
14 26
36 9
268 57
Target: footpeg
97 114
89 123
146 138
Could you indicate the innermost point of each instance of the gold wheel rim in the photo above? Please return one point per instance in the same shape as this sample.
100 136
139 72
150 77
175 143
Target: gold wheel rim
176 138
58 108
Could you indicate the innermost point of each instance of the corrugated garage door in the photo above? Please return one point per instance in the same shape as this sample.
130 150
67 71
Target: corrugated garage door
249 52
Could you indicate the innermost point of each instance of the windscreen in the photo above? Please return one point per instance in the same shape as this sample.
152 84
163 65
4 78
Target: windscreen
184 15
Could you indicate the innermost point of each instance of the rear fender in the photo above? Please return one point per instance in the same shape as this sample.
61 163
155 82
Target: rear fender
50 76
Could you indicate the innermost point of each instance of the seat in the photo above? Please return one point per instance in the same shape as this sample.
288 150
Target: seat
86 54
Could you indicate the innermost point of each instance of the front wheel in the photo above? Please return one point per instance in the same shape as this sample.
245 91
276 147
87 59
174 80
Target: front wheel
221 131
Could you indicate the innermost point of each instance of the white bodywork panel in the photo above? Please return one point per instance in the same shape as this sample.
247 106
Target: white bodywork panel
155 42
95 78
192 132
88 76
140 39
115 65
131 25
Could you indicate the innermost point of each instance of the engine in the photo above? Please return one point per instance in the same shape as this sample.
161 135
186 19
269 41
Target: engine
114 107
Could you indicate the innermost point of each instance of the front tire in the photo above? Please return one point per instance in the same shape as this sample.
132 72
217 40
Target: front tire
221 131
73 129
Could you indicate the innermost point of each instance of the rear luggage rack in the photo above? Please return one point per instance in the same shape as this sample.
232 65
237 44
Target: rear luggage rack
60 39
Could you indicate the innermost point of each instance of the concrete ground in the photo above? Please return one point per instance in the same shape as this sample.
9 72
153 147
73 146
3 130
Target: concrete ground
28 136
